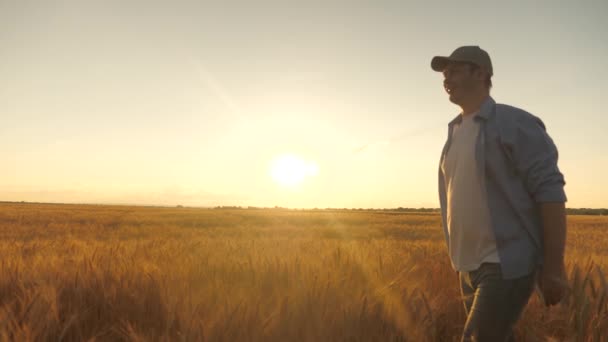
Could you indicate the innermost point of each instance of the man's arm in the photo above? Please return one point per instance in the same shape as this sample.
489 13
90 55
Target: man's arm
535 157
552 278
553 215
536 160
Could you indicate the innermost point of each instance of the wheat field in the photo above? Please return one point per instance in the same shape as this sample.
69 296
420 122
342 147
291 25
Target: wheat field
118 273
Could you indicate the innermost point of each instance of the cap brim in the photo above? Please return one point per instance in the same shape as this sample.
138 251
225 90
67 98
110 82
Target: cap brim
438 63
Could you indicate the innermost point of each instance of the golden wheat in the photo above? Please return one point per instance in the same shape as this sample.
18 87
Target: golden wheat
76 273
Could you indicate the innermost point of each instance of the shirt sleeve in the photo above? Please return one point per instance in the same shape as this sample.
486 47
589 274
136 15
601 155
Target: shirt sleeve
535 157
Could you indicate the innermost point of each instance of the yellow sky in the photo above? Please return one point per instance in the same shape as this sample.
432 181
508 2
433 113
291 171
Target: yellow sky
192 104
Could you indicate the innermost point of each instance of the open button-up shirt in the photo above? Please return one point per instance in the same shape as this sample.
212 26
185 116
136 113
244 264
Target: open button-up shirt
517 165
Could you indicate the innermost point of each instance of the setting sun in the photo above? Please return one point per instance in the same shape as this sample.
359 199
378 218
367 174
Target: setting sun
290 170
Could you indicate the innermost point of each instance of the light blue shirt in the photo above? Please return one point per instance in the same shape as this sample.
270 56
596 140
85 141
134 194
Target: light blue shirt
517 161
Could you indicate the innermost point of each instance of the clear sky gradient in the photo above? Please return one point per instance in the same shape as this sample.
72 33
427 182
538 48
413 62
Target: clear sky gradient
167 103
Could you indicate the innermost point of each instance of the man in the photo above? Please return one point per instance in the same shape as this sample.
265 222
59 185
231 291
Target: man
502 201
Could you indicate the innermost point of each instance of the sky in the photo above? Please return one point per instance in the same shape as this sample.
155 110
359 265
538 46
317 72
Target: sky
280 103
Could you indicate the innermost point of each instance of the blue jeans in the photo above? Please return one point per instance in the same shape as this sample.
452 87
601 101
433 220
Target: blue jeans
493 304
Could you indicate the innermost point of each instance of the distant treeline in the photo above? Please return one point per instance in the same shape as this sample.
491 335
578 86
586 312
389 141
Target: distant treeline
569 211
586 211
419 210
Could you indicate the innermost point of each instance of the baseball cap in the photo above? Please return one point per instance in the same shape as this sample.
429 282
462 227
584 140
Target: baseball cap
471 54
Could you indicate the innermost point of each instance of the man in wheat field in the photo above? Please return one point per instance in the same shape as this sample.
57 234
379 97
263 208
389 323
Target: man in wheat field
502 201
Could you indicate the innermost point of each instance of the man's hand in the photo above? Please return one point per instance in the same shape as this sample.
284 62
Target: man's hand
553 284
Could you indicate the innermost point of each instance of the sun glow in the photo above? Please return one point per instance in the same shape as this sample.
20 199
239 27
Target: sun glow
290 170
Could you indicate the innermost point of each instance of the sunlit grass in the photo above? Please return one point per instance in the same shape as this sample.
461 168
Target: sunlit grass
127 273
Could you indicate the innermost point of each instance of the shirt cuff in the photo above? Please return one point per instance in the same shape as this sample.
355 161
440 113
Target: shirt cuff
556 194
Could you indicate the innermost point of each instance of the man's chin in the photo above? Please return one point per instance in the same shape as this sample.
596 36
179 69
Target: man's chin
454 99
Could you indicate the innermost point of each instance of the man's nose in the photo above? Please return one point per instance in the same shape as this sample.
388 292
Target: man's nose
447 77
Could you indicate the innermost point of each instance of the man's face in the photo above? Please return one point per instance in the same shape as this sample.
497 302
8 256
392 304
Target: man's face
460 81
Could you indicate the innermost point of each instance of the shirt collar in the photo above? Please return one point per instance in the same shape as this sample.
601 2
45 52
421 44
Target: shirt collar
485 111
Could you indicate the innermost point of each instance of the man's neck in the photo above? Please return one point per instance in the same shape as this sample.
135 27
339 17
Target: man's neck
473 106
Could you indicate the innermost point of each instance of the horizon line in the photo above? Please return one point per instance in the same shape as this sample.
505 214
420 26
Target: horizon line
250 207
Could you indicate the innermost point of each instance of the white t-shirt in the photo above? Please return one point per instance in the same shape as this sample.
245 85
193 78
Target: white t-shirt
471 238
